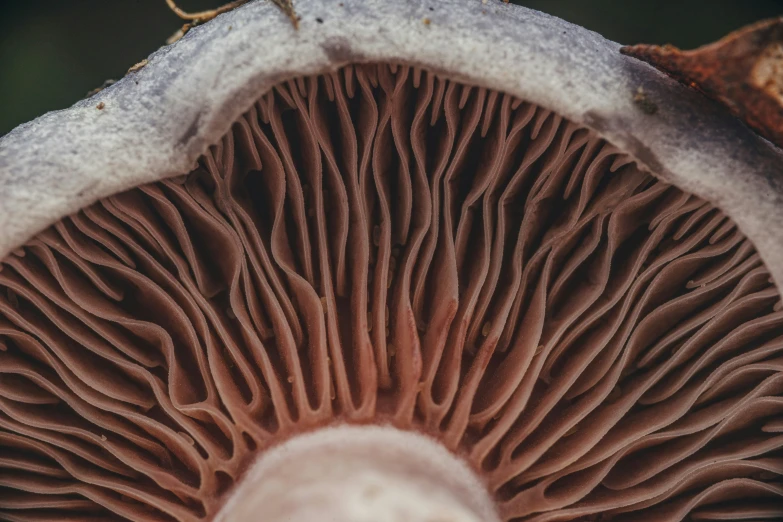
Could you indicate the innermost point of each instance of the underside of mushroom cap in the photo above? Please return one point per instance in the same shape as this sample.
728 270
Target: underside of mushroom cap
551 290
383 245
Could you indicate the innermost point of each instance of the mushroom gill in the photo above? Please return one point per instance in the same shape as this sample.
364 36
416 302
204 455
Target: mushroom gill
382 245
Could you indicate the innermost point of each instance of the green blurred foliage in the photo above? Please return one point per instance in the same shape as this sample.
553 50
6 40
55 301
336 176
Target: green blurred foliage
52 52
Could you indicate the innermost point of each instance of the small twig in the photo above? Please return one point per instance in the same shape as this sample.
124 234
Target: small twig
138 66
287 6
204 16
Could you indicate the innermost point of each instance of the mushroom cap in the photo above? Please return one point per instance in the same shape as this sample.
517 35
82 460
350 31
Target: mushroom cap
192 91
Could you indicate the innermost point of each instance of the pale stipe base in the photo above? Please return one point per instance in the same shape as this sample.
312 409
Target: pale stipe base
359 474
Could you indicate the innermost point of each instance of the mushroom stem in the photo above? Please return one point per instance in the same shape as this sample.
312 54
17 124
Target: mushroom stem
359 474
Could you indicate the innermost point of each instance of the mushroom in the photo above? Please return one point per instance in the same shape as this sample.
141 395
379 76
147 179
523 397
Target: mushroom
382 268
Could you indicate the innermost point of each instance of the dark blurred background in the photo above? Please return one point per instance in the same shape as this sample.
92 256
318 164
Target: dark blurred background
52 52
